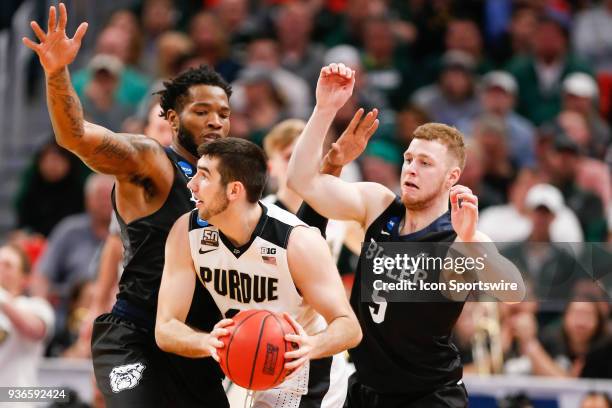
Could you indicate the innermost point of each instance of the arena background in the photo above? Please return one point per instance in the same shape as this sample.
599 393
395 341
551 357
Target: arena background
528 82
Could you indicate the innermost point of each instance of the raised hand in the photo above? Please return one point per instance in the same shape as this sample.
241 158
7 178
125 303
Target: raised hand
55 49
464 215
335 86
353 140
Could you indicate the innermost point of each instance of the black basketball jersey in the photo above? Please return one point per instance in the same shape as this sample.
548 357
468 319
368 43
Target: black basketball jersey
406 346
144 242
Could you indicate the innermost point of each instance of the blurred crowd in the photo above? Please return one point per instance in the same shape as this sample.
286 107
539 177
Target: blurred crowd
528 82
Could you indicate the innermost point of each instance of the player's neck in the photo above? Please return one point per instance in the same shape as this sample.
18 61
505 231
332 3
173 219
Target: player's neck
180 150
416 220
289 199
238 222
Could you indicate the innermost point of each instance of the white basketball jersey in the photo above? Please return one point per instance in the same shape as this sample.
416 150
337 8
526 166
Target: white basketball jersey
255 275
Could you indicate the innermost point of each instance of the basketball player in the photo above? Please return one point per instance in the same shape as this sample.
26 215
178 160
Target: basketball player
406 358
150 194
254 256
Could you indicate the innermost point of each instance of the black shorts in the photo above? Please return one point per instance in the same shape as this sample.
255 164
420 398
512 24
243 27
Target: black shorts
447 396
131 371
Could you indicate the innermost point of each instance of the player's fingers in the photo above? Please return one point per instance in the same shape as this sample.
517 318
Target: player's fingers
325 71
30 44
51 25
295 364
296 326
80 32
224 322
295 338
40 34
299 353
214 355
342 70
333 68
466 197
355 121
372 129
461 189
63 17
470 206
219 332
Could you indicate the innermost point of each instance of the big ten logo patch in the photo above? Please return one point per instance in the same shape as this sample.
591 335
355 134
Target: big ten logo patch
210 238
268 251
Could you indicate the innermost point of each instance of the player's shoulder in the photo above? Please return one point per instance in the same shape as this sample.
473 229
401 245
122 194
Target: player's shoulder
278 225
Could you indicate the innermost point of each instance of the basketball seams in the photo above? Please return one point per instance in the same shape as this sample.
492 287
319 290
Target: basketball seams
261 330
229 343
282 371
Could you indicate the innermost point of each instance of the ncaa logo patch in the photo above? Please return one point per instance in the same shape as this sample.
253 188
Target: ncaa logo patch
186 168
126 377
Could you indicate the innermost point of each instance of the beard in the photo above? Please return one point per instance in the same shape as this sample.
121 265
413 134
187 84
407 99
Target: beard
420 203
217 205
187 140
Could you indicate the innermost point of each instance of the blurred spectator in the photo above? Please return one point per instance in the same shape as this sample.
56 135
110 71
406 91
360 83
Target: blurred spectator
128 22
596 400
597 362
73 245
349 29
472 177
381 163
580 94
236 21
158 17
132 86
100 100
551 268
592 175
452 98
212 45
516 41
497 97
516 320
463 34
490 134
66 341
171 46
278 145
561 353
592 35
562 163
407 120
294 23
55 176
513 216
367 96
264 104
386 61
540 74
263 57
25 322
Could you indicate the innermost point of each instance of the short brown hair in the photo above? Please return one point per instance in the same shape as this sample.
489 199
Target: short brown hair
282 135
26 265
447 135
239 160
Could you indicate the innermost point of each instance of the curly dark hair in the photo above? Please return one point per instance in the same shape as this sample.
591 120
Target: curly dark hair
175 90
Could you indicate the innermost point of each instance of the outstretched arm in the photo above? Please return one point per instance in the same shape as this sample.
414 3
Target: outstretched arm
175 294
328 195
315 275
101 149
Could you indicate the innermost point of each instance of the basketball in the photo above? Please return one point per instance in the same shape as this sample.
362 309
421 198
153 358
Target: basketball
253 352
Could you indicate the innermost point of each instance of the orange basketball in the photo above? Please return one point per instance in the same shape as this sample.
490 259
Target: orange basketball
253 352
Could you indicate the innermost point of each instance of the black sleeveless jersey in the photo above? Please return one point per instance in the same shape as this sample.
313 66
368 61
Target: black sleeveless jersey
406 346
144 243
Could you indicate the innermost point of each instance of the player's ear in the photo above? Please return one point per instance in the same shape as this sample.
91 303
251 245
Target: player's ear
234 190
173 117
453 176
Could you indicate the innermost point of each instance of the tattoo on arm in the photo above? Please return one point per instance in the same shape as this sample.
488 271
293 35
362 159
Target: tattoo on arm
113 149
63 97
